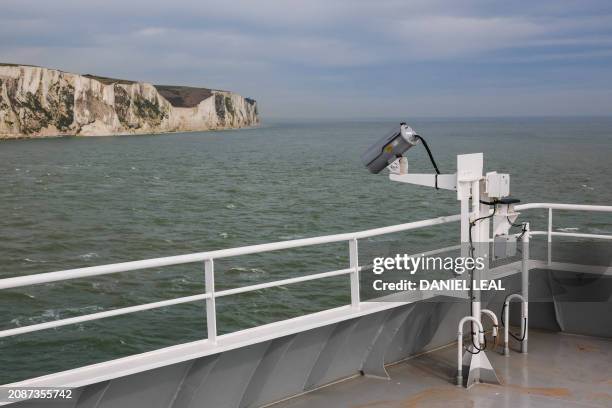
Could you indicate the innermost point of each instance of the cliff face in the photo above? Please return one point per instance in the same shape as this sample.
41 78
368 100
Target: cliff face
38 102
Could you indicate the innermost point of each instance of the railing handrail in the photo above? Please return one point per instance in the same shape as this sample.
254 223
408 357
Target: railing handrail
19 281
169 302
209 256
555 206
564 207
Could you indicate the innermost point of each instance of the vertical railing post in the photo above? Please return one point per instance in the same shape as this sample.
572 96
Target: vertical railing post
549 244
525 289
211 312
354 265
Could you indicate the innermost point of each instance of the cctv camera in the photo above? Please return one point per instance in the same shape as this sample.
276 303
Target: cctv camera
385 151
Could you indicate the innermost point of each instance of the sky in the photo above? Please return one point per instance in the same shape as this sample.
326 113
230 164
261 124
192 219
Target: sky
337 58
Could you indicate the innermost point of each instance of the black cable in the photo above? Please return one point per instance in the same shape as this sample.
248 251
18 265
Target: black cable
489 202
485 216
472 223
472 352
478 350
514 225
520 237
433 162
524 332
523 225
509 332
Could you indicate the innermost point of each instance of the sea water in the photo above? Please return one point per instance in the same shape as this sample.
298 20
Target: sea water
80 201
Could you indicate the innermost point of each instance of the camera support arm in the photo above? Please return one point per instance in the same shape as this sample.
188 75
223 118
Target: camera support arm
444 181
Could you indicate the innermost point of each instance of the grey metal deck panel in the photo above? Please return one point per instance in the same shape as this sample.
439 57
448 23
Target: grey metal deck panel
561 370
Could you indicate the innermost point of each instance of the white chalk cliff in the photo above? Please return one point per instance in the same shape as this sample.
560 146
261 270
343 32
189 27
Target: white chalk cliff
39 102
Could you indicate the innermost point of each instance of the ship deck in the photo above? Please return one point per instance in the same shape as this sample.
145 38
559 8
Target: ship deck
561 370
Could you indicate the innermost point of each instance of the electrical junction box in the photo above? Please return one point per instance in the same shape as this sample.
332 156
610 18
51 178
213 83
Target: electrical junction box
504 246
497 185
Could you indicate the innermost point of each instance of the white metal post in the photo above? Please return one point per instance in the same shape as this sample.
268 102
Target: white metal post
506 313
465 225
211 312
549 236
525 288
476 241
354 265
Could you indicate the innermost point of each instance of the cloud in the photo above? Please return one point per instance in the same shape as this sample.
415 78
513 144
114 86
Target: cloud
316 32
225 44
565 56
352 52
151 32
452 36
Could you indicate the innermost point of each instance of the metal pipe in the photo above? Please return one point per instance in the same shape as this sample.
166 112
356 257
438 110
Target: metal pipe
480 336
524 298
477 242
554 206
101 315
507 318
525 287
354 266
568 234
549 235
493 317
580 235
465 223
211 309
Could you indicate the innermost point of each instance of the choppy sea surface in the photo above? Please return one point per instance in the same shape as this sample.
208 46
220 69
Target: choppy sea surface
75 202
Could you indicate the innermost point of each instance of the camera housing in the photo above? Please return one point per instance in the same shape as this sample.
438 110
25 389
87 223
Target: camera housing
389 148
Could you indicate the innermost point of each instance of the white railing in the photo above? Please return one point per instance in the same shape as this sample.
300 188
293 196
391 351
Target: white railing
208 259
564 207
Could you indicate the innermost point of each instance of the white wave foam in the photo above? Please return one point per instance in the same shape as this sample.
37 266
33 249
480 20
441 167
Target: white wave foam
247 270
33 260
88 256
290 237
